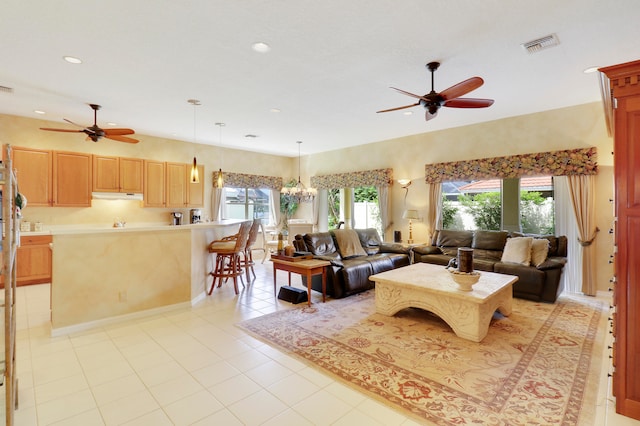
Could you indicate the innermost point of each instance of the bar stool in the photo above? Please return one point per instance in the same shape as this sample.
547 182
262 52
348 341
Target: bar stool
247 262
228 251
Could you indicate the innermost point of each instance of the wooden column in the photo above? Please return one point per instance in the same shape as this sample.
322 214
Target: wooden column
625 88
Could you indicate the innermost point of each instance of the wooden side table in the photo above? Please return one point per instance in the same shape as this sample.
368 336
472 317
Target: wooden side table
308 268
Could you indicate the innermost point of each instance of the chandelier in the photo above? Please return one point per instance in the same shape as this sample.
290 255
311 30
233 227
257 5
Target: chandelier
299 192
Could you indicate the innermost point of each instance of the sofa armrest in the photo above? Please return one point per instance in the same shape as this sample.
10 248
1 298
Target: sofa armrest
335 261
552 263
427 249
394 248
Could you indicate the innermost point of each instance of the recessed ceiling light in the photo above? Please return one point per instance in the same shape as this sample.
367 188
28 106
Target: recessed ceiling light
590 70
112 124
274 110
38 111
261 47
408 113
72 59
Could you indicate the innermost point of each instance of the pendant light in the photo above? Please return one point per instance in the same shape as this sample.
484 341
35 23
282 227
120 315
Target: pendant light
220 178
299 192
195 176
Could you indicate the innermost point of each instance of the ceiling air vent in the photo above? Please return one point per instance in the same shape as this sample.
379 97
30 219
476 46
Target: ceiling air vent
537 45
5 89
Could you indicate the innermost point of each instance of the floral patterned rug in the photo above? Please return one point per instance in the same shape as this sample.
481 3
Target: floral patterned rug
539 366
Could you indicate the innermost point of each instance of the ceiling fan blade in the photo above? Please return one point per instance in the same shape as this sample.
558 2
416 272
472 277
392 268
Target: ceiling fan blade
428 116
413 95
121 138
110 132
462 88
468 103
402 107
61 130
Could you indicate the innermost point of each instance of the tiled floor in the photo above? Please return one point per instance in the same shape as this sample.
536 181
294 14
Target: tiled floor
187 367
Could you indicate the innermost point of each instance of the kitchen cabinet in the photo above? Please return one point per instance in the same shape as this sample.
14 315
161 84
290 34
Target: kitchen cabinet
34 172
72 180
624 83
154 183
195 191
177 180
34 260
117 174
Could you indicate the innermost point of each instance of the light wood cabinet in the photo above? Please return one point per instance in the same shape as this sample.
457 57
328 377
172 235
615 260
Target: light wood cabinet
117 174
72 179
154 183
625 86
176 185
34 260
34 172
195 191
33 265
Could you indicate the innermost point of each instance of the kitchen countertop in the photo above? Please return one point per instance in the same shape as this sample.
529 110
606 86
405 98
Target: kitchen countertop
129 227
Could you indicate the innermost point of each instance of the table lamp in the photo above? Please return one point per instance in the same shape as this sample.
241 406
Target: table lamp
411 215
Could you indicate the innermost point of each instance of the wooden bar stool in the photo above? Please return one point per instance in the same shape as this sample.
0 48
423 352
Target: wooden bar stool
247 262
228 251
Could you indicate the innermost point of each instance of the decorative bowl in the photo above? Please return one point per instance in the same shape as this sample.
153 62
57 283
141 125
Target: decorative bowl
465 280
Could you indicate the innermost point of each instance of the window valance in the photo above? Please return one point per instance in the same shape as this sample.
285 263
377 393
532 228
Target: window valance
244 180
379 177
580 161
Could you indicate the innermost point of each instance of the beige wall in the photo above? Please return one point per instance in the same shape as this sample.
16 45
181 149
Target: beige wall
574 127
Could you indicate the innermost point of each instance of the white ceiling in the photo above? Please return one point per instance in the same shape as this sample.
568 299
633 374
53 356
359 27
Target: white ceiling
329 69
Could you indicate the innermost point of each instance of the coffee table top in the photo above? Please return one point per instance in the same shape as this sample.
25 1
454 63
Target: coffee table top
436 279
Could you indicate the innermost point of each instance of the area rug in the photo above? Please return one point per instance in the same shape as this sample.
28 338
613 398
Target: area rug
539 366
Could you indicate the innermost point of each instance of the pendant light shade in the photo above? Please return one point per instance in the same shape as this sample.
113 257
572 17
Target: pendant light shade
195 176
219 183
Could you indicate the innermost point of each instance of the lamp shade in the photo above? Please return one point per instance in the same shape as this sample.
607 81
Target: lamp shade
410 214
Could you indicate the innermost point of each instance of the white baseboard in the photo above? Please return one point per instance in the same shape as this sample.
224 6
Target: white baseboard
63 331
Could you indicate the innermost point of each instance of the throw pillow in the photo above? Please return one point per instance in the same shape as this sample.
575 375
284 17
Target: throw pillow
517 250
348 243
539 251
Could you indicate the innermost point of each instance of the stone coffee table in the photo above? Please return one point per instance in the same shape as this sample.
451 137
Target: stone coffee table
431 287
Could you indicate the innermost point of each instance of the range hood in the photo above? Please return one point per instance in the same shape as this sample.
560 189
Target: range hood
115 196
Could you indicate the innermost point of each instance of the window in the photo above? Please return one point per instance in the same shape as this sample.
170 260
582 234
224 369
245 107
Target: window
366 212
486 204
246 203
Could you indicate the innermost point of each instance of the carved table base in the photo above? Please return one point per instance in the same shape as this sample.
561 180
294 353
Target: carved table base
430 287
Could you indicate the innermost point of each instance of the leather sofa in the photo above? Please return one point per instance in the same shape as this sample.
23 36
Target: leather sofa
349 275
538 283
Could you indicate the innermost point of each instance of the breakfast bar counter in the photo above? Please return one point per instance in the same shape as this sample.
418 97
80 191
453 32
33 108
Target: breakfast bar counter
102 273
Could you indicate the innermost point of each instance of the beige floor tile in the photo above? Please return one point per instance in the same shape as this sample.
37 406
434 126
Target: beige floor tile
292 418
66 407
268 373
234 389
154 418
88 418
161 373
222 417
314 408
107 373
355 417
175 389
58 388
119 388
293 389
215 373
381 412
193 408
258 408
128 408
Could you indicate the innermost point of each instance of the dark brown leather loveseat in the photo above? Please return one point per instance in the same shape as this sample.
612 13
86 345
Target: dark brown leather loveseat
538 283
348 275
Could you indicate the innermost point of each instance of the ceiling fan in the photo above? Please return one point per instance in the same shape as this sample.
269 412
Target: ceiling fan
450 97
95 133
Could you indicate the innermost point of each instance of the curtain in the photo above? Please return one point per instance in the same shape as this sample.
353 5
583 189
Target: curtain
384 207
582 196
315 209
571 279
274 207
216 202
434 208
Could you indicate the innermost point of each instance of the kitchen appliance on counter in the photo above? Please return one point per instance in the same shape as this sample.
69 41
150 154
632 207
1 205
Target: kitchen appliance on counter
176 218
196 216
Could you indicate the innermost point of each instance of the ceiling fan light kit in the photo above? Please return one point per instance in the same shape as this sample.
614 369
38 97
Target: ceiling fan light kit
450 97
95 133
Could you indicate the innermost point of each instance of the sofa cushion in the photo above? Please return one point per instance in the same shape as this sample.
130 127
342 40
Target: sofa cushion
539 251
517 250
348 243
369 240
489 240
450 238
320 243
